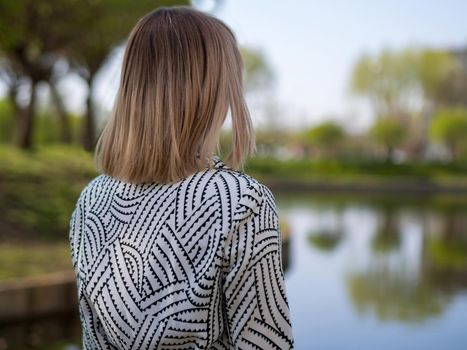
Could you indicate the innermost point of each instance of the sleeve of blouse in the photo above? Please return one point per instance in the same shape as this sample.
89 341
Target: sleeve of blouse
255 298
75 234
93 334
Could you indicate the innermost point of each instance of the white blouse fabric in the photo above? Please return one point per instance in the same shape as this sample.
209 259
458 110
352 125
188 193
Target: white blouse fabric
191 265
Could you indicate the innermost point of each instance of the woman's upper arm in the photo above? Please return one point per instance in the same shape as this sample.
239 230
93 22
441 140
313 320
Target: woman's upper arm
255 297
93 333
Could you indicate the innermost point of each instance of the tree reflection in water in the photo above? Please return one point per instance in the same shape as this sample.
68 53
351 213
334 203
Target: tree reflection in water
330 232
390 286
415 259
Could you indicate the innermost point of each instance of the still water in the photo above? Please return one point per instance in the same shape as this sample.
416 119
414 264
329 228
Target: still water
377 273
361 273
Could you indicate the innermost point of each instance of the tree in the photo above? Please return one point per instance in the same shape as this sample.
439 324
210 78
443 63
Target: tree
36 34
410 83
387 79
326 136
258 73
33 33
389 133
449 126
109 28
433 69
438 74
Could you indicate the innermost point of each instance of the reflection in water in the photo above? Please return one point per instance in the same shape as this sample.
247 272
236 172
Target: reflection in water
394 289
324 240
387 235
394 294
328 237
375 269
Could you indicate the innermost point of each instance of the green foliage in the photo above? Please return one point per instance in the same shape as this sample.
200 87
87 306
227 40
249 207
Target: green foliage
433 68
363 170
450 127
7 121
31 259
39 189
386 79
389 133
47 130
326 136
46 26
35 35
109 25
392 79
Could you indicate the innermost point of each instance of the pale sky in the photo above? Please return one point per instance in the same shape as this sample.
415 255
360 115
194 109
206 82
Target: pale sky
312 46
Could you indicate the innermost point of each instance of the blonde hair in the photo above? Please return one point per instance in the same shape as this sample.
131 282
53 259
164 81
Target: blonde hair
182 73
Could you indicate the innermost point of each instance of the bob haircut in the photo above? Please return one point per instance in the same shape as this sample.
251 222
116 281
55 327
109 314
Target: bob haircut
182 74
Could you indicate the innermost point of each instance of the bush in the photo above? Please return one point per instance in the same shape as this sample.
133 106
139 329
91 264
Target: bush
450 128
39 189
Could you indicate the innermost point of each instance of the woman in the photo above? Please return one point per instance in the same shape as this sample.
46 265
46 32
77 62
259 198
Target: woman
173 248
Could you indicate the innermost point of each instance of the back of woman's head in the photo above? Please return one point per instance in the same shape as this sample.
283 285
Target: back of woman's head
181 75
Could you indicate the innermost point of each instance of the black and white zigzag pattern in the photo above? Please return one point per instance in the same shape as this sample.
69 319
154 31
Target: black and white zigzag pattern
190 265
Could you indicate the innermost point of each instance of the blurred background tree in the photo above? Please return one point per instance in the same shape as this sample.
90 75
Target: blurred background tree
387 80
389 133
410 85
325 138
450 128
31 50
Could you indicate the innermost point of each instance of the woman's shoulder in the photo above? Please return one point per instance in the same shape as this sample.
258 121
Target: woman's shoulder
247 192
243 180
89 189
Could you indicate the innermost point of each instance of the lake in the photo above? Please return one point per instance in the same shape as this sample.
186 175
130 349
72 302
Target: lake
362 272
377 273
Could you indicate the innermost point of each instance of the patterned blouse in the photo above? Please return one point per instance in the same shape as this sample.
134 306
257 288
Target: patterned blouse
191 265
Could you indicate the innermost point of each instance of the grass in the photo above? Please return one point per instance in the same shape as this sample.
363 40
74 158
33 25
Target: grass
357 170
39 189
33 259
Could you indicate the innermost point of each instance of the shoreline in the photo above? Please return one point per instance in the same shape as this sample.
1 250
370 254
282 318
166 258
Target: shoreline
389 187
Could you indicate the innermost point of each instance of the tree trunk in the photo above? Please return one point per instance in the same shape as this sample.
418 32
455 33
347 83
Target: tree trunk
89 129
65 129
27 119
12 94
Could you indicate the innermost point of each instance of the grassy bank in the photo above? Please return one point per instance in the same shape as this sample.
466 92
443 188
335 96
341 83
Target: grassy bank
358 171
38 191
21 259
